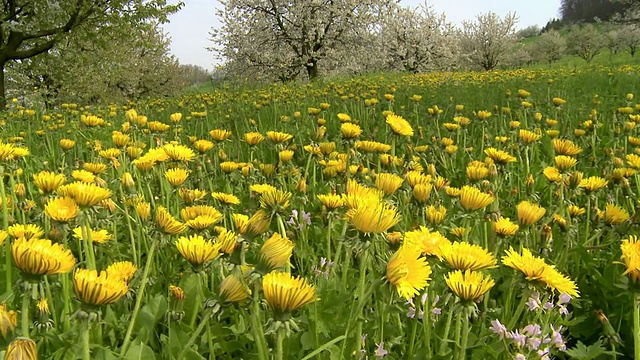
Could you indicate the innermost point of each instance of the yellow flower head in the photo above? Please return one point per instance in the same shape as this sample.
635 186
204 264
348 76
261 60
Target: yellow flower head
97 236
253 138
123 270
528 136
331 201
373 216
178 152
228 241
22 349
388 182
220 134
84 194
399 125
631 257
435 215
566 147
372 146
477 170
176 176
28 231
279 137
422 192
225 198
275 253
564 162
429 242
62 209
593 183
203 145
531 266
466 256
469 285
167 223
67 144
275 200
504 227
350 130
472 198
96 289
499 156
37 257
285 293
196 250
233 290
8 321
48 182
257 224
552 174
407 271
200 217
615 214
529 213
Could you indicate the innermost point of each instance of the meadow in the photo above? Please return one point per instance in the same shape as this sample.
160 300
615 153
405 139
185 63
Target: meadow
440 216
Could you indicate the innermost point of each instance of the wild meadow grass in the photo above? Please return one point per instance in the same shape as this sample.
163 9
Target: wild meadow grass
446 215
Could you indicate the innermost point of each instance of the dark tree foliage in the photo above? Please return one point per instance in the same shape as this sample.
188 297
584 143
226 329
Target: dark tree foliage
577 11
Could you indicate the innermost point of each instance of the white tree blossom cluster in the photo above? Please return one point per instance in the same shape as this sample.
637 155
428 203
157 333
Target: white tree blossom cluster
290 39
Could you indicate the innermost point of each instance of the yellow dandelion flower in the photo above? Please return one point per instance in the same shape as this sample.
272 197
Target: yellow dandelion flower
275 253
220 134
233 290
285 155
178 152
552 174
531 266
21 349
279 137
399 125
97 236
466 256
285 293
228 241
8 321
225 198
504 227
407 271
167 223
499 156
477 170
566 147
203 145
275 200
528 137
389 183
47 181
631 257
436 215
28 231
176 176
84 194
350 130
176 292
257 224
373 217
472 198
253 138
200 217
560 283
469 285
261 188
196 250
564 162
331 201
430 242
37 257
422 192
67 144
62 209
123 270
371 146
615 214
96 289
529 213
593 183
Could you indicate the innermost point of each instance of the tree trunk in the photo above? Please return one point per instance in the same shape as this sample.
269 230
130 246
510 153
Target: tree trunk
312 69
3 95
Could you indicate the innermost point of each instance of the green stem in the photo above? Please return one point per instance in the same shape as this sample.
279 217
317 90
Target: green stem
139 298
465 334
280 343
86 340
88 242
196 334
26 301
447 329
5 227
636 325
256 325
328 238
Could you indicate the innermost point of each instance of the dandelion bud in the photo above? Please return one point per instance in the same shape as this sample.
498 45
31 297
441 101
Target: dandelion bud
127 180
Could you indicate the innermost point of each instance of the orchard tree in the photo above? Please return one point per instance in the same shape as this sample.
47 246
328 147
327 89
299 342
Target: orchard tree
630 38
289 37
487 41
585 41
119 62
550 47
32 27
418 40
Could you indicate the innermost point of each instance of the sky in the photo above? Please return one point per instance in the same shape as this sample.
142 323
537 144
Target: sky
189 28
